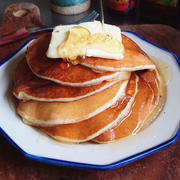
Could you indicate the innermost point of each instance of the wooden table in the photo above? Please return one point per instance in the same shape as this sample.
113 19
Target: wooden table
163 165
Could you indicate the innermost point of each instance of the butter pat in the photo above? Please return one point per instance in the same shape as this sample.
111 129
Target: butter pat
86 39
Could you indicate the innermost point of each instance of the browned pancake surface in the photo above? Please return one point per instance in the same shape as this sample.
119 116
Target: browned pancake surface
151 77
144 103
36 88
53 113
134 59
90 128
56 69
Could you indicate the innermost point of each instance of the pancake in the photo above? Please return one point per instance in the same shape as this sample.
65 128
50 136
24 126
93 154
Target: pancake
51 113
30 87
134 59
62 72
144 103
153 80
90 128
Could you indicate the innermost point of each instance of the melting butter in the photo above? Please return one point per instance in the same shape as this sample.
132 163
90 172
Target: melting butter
79 39
86 40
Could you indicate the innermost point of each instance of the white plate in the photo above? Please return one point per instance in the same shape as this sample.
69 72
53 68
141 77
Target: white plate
35 145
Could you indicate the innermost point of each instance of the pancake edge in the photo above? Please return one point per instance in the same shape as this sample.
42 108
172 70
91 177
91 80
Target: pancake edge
104 68
28 120
120 117
24 96
86 83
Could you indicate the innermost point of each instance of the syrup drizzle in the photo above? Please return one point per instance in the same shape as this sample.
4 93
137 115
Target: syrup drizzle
165 76
102 15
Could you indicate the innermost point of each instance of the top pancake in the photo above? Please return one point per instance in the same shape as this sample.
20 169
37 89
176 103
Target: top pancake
134 59
62 72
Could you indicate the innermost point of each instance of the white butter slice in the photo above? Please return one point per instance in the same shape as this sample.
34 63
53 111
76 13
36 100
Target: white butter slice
59 35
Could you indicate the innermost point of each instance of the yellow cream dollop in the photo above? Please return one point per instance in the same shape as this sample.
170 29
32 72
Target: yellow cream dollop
79 39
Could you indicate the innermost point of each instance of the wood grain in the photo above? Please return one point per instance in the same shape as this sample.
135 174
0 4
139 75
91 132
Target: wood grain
163 165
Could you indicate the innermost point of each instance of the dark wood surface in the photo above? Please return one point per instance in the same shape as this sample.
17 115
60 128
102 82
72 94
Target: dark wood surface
163 165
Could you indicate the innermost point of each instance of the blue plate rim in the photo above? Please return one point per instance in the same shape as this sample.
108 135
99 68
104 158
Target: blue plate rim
93 166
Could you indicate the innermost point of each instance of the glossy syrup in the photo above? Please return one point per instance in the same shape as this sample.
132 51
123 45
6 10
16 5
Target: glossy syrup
164 69
165 76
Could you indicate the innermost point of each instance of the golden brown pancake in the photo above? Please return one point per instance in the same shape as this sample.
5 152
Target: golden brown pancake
134 59
144 103
30 87
52 113
63 72
90 128
152 78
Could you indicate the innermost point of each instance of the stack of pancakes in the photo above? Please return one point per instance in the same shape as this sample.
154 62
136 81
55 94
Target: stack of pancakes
99 99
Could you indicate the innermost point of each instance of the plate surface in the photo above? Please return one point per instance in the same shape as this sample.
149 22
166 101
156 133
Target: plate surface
35 145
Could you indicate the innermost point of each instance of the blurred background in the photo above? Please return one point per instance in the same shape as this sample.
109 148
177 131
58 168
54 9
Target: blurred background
115 11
